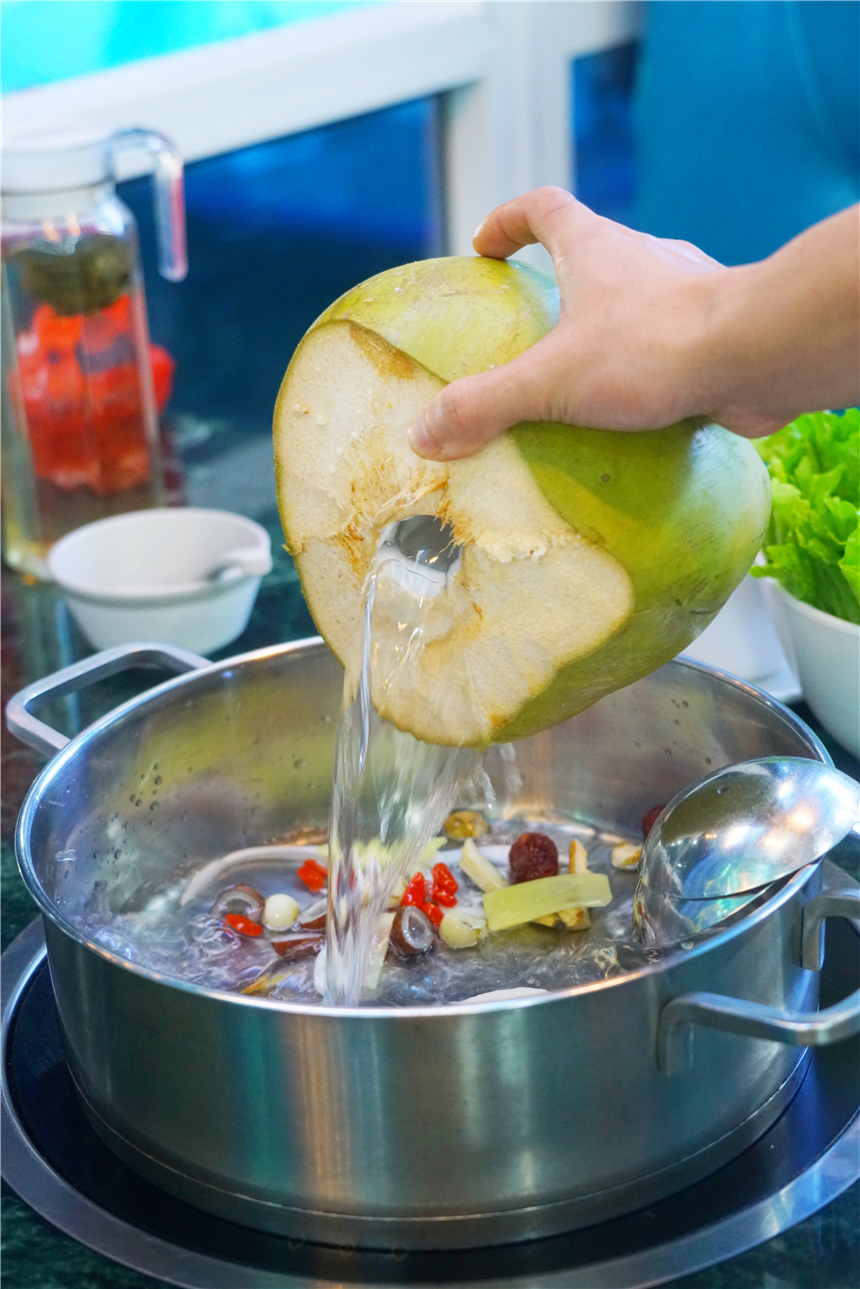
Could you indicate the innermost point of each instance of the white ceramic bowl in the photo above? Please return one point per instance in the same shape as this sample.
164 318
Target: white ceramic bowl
825 653
142 576
742 639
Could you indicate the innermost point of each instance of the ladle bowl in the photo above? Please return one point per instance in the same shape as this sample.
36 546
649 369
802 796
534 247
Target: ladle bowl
748 825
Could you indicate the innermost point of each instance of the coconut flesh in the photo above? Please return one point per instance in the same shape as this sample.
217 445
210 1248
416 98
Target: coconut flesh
588 558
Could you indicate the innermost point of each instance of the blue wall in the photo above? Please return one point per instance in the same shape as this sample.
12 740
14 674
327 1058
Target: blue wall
748 116
49 40
276 232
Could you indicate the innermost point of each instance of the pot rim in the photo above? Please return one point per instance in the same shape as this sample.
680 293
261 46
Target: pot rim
49 909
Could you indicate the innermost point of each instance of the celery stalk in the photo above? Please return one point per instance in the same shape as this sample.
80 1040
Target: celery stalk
526 901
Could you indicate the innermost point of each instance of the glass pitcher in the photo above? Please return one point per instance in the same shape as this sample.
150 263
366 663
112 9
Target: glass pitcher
82 385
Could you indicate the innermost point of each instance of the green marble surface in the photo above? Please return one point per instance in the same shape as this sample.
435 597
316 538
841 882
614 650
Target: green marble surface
822 1252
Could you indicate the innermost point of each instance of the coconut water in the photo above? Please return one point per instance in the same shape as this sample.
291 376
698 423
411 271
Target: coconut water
391 791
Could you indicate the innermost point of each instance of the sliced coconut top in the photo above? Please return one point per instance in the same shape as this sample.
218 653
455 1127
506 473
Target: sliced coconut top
502 308
530 593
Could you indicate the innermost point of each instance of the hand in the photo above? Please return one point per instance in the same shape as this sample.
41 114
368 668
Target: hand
616 358
650 331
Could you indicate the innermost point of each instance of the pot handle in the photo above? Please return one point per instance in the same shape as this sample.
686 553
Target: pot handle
754 1020
79 675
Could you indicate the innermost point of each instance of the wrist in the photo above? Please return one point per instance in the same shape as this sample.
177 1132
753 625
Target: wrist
736 352
781 337
714 336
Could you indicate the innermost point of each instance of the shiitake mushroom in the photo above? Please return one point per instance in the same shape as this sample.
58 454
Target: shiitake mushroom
240 899
313 918
299 947
411 932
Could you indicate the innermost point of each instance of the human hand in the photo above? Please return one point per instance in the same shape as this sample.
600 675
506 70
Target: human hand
627 353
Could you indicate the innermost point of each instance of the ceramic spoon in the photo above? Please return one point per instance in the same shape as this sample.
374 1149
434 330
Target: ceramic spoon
242 561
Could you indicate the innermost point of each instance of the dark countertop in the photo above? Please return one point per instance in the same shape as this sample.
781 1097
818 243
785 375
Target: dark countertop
38 637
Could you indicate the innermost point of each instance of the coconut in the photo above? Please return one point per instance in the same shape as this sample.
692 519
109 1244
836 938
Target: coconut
589 557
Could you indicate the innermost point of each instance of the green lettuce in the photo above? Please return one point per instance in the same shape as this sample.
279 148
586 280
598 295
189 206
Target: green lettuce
812 546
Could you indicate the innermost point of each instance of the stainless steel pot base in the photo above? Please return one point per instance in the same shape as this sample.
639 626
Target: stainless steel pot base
56 1163
467 1230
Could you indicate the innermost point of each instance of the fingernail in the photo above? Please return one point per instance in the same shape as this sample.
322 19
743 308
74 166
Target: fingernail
477 230
419 440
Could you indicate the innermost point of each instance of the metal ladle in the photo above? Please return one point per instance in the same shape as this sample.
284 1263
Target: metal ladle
661 921
746 826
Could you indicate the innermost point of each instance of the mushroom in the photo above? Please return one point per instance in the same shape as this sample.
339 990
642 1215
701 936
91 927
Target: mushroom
239 899
303 946
411 933
313 918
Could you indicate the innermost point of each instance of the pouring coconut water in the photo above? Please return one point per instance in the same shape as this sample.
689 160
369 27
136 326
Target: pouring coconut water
585 558
391 791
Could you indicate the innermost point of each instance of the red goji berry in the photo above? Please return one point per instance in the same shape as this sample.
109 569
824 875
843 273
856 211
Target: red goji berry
444 879
434 914
313 875
245 926
416 891
445 898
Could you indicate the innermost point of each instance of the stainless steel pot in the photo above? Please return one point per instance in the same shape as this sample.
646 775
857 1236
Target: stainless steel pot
455 1126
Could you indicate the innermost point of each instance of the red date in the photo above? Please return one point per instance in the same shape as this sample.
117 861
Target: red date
533 855
650 818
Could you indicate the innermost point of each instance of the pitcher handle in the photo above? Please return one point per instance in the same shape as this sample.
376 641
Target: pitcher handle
169 196
754 1020
79 675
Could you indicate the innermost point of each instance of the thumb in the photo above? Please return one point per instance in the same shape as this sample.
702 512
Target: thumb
469 412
